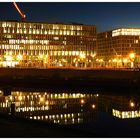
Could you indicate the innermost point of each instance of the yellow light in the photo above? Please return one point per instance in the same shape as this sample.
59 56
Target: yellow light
47 102
132 55
101 60
11 98
9 58
115 60
20 98
74 60
93 55
41 56
82 101
119 60
41 99
125 60
19 57
60 65
82 56
93 106
10 53
132 104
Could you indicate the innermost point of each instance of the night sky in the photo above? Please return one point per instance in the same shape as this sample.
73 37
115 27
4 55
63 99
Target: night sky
104 15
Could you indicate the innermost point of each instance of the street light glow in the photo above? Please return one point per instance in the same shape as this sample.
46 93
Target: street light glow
132 55
82 56
20 98
41 99
93 106
41 56
132 104
19 57
82 101
125 60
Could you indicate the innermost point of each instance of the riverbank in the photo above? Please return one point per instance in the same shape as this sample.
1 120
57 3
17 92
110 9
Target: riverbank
69 78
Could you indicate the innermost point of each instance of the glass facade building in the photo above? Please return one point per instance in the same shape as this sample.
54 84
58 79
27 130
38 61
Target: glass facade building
117 46
27 44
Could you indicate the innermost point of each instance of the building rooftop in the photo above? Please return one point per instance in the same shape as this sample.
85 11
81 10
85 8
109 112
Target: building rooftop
62 23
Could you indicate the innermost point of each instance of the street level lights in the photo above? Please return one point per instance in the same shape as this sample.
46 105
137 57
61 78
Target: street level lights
132 58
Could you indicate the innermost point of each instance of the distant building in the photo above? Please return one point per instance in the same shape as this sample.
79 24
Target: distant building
118 45
46 45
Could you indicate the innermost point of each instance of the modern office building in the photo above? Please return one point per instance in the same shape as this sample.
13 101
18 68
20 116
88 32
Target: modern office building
119 46
30 44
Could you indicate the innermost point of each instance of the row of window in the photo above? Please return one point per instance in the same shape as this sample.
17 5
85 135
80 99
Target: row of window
53 32
40 26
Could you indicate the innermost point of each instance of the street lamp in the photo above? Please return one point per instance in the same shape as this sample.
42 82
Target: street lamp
132 58
132 55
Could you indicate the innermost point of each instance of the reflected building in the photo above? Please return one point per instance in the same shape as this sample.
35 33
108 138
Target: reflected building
61 108
68 108
28 44
123 107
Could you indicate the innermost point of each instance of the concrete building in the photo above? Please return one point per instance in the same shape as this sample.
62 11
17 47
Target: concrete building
119 47
28 44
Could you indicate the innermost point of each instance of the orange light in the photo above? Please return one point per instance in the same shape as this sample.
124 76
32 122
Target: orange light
82 101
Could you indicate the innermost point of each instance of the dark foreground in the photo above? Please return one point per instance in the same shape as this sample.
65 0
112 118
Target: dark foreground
20 128
123 78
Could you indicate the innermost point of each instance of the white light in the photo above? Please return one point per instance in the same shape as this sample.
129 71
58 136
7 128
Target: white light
19 57
93 106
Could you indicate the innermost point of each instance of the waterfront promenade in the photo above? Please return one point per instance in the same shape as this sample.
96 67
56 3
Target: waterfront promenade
61 77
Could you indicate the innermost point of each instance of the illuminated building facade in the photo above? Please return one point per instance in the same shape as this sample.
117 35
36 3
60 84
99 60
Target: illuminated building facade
117 46
26 44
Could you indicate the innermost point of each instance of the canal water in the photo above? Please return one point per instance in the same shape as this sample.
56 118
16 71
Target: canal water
93 114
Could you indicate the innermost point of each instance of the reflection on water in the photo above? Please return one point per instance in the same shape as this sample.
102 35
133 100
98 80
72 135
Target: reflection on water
62 108
120 106
68 108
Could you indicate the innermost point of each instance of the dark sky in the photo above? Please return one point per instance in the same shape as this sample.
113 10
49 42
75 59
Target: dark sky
104 15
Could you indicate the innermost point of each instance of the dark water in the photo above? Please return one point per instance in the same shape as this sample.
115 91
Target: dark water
86 114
